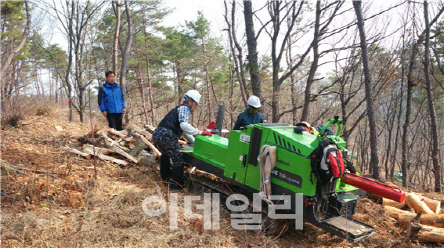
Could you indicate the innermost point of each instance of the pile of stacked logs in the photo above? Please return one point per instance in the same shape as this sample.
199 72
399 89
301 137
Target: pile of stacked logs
133 145
420 215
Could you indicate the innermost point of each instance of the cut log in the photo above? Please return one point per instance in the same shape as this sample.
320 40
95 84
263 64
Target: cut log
391 203
413 201
98 142
149 128
110 142
115 132
139 147
119 151
106 158
435 220
150 145
137 129
434 205
96 128
115 149
75 151
395 212
425 233
90 148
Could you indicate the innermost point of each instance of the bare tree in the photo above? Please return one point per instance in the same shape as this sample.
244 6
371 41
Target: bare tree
126 54
140 81
234 45
410 85
252 49
116 32
432 113
374 161
150 87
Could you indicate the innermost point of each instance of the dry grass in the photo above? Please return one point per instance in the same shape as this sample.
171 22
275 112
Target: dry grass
51 208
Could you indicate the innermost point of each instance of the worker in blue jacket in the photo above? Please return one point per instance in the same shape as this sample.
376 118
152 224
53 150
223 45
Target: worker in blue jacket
111 101
251 115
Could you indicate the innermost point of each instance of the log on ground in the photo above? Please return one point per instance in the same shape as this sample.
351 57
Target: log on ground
434 220
425 233
413 201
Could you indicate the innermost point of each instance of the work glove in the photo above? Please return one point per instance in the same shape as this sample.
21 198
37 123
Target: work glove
204 132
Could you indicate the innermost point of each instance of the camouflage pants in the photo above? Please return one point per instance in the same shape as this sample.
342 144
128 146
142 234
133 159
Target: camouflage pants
166 141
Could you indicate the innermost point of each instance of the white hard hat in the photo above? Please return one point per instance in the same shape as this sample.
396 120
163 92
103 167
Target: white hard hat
254 101
194 94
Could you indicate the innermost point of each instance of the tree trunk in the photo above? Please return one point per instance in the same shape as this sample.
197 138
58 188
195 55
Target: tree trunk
126 55
237 58
207 79
406 125
231 95
13 52
116 35
81 103
398 127
140 80
150 88
275 103
433 128
374 161
252 49
314 63
68 69
179 82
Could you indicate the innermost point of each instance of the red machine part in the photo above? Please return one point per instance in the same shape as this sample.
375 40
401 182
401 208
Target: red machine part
374 187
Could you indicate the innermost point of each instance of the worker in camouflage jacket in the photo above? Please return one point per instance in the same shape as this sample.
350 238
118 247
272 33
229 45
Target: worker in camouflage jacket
167 134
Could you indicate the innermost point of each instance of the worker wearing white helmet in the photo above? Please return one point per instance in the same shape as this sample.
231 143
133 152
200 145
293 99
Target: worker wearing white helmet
167 134
251 115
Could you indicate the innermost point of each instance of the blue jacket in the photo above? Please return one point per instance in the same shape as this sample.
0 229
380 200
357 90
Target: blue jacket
245 118
111 98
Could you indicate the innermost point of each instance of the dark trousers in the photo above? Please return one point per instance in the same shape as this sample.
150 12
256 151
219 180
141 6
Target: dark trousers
169 146
114 120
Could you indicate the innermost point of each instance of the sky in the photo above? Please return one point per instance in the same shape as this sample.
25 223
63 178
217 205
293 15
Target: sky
213 11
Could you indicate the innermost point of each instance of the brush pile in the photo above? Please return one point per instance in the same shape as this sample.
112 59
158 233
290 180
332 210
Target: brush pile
133 145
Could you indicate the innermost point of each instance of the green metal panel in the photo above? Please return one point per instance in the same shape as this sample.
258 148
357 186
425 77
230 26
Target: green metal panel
212 149
237 154
338 141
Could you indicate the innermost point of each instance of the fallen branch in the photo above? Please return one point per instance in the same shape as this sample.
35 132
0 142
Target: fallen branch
91 148
115 132
137 129
136 150
105 157
125 154
150 145
75 151
149 128
110 142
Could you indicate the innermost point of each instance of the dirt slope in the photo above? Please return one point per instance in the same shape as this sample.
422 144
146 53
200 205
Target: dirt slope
51 199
